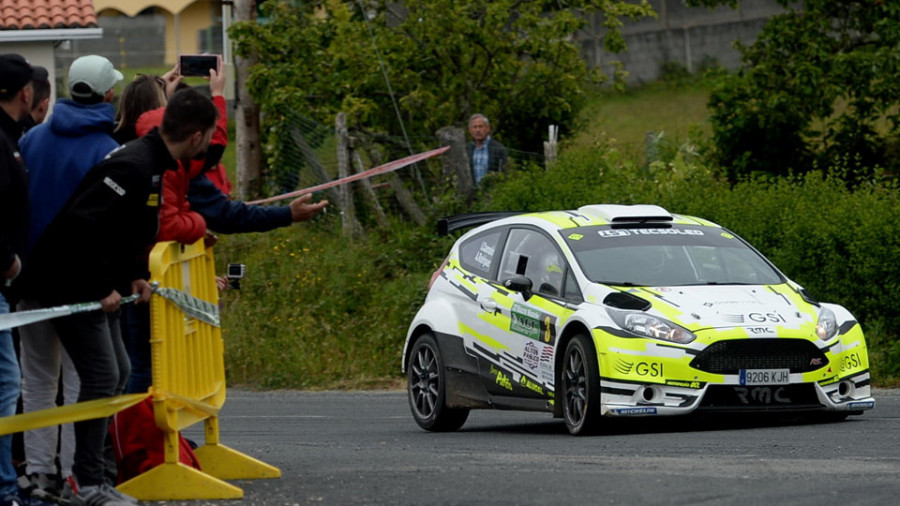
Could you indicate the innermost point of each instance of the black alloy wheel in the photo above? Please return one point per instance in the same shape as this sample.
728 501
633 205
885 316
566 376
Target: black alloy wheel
426 384
580 380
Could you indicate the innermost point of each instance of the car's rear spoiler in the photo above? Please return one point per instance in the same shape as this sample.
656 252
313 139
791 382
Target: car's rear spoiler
457 221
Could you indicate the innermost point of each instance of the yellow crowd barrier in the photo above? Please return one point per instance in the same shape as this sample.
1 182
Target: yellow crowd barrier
189 385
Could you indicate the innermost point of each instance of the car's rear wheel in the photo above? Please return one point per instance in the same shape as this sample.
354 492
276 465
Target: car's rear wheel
427 384
580 378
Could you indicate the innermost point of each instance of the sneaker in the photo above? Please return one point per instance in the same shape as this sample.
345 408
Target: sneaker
41 486
101 495
22 499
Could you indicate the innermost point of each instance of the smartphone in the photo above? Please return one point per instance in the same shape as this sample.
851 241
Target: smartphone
197 64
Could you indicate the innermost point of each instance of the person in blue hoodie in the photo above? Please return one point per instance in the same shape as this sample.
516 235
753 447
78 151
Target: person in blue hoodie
58 153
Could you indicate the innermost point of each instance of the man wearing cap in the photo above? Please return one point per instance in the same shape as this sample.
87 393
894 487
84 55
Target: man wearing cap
16 93
58 155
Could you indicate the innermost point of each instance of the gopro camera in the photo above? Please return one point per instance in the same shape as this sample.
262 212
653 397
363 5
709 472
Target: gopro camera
197 64
234 274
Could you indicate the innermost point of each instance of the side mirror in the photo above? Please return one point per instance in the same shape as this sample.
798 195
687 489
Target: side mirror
519 284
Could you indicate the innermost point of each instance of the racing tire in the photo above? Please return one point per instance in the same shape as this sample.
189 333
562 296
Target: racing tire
426 385
580 382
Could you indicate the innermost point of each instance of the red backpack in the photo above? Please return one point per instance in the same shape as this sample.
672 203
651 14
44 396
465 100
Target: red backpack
138 442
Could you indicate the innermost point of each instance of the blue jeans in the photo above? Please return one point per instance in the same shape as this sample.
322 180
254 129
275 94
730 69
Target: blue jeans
10 378
136 334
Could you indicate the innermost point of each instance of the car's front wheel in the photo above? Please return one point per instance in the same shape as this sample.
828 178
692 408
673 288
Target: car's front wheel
580 378
427 384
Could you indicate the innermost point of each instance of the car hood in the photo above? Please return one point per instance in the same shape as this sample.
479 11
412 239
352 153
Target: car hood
712 306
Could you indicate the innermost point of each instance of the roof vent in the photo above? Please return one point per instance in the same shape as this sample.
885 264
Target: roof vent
615 213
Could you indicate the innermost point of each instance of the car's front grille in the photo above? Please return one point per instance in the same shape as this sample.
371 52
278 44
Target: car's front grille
729 357
760 398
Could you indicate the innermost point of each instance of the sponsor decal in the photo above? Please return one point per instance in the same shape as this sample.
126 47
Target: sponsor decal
634 411
861 405
153 200
547 354
648 231
684 384
613 233
115 186
576 237
766 318
501 379
762 395
645 369
851 361
760 330
533 324
727 235
485 256
828 381
530 385
530 357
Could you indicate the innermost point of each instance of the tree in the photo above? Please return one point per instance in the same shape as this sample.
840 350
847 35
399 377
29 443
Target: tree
513 60
817 87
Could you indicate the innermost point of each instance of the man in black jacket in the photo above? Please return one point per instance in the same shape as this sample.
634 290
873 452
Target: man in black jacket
16 93
94 250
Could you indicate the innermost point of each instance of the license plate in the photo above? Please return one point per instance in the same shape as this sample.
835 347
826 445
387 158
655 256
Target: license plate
765 376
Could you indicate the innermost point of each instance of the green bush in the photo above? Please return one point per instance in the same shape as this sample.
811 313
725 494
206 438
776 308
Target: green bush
319 310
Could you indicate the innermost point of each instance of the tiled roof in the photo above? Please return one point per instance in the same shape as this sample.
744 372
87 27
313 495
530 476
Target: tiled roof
46 14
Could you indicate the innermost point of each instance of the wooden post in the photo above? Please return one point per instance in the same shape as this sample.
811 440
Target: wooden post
366 185
349 225
550 147
249 151
456 161
403 196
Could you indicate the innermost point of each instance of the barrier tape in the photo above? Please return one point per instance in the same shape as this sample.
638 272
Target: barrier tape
381 169
12 320
192 306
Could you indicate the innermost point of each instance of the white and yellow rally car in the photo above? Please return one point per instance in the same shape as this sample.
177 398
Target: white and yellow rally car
616 310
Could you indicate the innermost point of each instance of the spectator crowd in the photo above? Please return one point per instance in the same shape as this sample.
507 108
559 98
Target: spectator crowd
85 193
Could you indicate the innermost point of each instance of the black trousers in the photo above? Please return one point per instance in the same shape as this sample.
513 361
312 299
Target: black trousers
94 343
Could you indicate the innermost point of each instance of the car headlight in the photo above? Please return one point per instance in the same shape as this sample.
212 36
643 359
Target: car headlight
645 325
827 326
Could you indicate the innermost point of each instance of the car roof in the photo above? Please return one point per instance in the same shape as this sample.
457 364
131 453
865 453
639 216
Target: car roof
600 214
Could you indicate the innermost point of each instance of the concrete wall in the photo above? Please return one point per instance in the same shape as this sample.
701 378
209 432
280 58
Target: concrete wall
685 35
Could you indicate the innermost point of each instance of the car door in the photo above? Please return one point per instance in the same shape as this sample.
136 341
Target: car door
527 332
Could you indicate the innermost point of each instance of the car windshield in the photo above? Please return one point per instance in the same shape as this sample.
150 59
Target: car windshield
676 255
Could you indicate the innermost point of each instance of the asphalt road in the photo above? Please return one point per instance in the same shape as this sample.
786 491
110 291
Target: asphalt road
364 448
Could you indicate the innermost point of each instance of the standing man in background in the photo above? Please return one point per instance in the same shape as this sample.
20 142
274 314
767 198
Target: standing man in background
485 154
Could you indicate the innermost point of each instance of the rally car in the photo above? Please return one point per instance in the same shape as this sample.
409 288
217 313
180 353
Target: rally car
616 311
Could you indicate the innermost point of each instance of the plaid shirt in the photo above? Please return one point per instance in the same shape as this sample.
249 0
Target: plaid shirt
480 160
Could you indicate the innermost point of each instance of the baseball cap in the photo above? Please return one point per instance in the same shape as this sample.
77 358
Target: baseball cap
96 72
15 72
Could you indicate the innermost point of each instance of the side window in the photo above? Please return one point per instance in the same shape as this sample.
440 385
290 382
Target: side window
478 254
533 255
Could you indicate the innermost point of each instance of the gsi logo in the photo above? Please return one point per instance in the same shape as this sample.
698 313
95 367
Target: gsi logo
651 369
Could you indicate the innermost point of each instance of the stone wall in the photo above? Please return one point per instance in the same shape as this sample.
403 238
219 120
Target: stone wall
689 36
